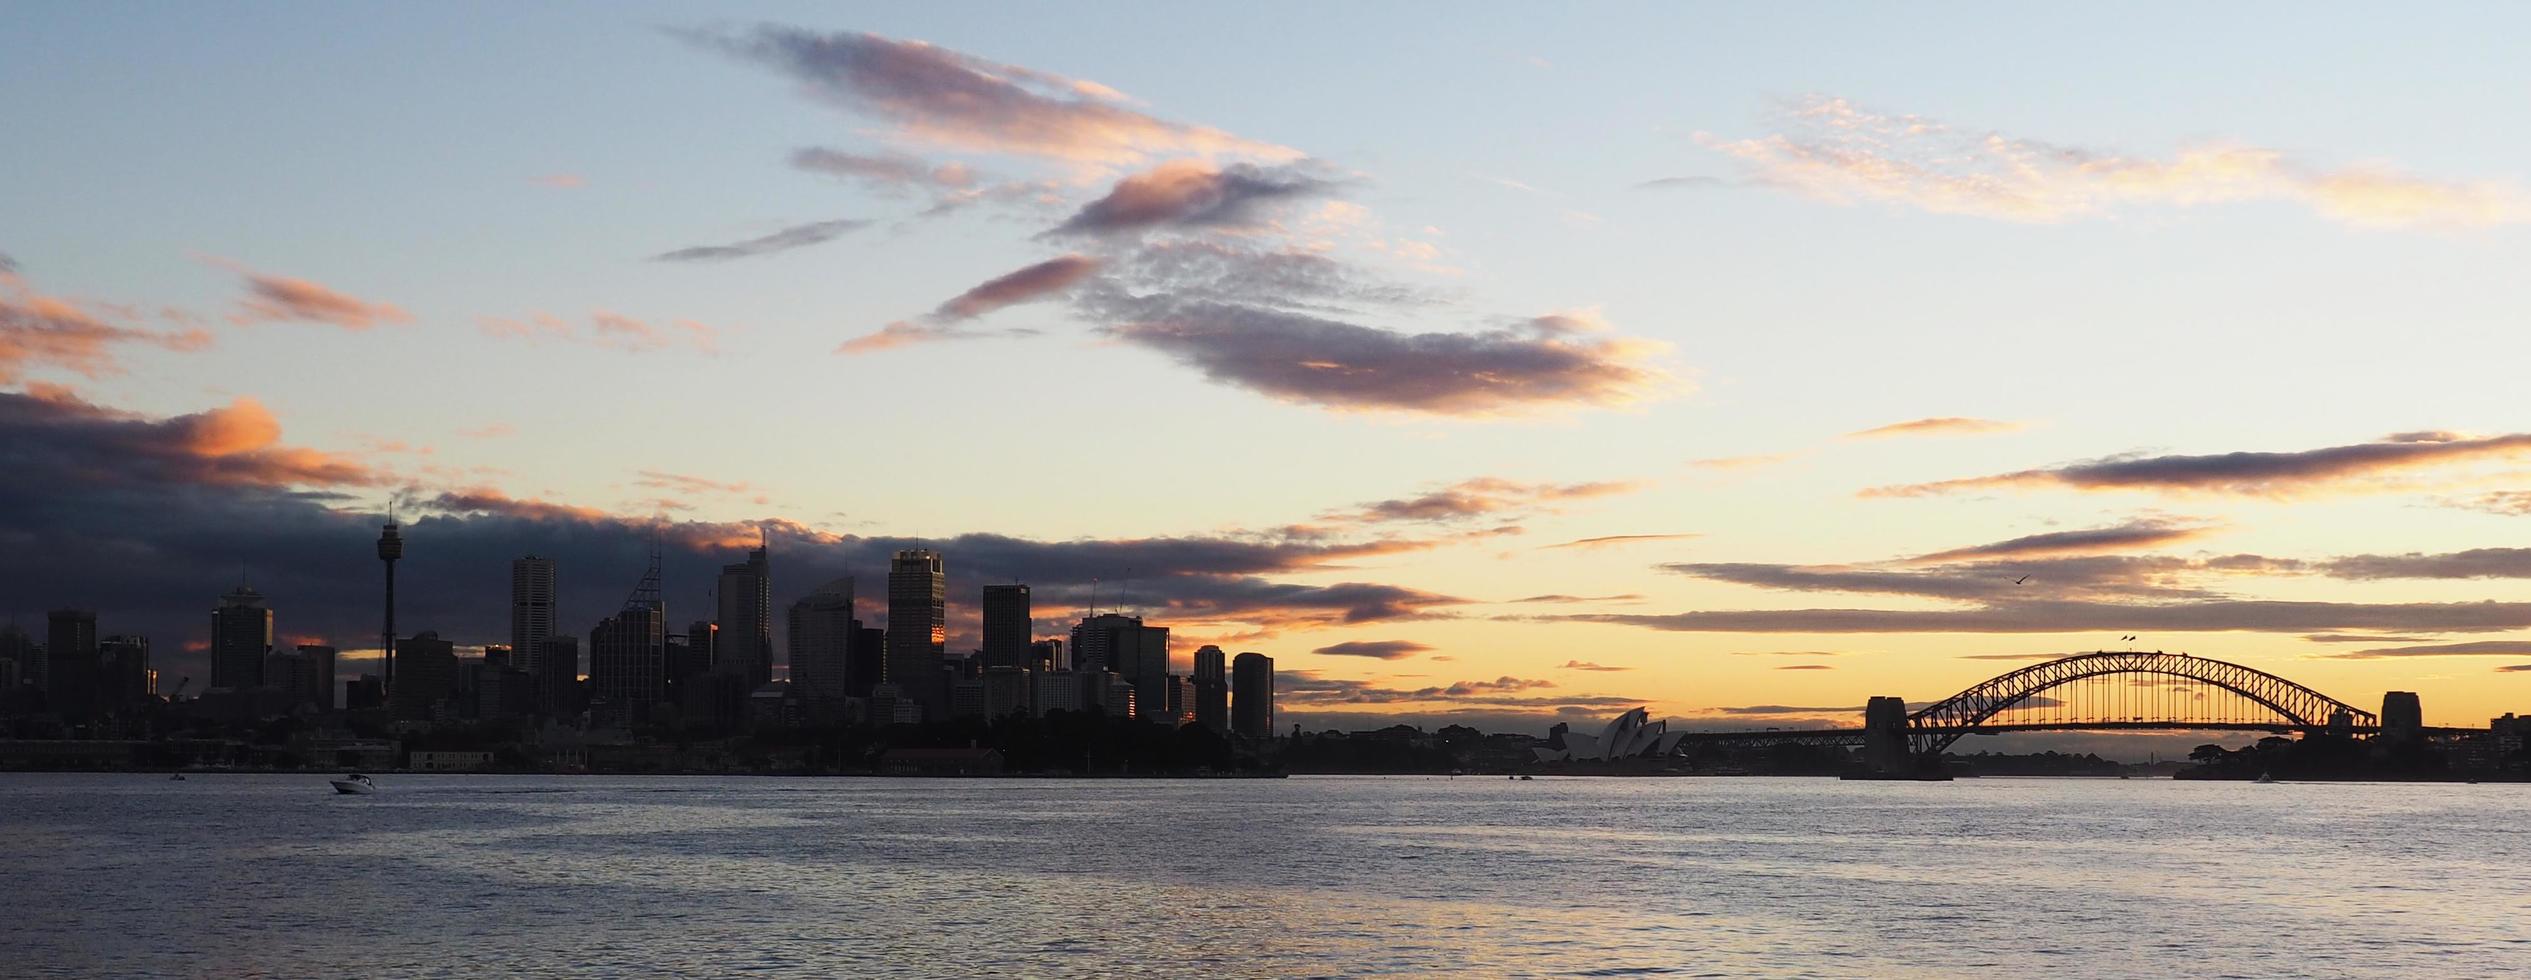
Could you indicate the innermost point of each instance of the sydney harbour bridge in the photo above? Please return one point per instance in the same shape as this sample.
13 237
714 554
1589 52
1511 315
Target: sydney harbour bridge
2106 691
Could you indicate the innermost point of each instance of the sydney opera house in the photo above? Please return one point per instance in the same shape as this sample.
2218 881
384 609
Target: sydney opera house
1632 735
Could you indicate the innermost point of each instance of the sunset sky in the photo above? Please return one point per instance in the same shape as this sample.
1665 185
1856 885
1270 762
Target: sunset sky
1496 363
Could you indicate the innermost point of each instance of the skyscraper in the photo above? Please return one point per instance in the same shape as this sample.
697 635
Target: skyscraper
531 608
821 644
918 629
390 548
430 676
1135 652
1212 688
70 658
28 655
1007 628
318 661
1252 695
628 652
124 677
746 641
241 634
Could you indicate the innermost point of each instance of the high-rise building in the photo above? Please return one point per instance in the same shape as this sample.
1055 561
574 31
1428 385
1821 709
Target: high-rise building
918 628
316 660
124 677
628 652
821 646
426 676
746 642
241 634
1007 627
1212 688
558 676
1047 654
70 659
866 660
1252 695
390 548
1134 651
27 655
531 608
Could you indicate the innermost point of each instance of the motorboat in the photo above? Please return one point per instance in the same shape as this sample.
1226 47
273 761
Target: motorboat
354 785
176 776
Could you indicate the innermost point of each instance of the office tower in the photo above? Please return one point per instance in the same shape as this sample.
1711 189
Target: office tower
70 659
1006 691
918 628
628 652
241 634
1048 655
365 693
531 608
1252 695
125 677
1136 652
558 676
746 640
865 660
317 662
1212 688
821 645
390 548
1007 628
1181 700
427 675
283 677
21 649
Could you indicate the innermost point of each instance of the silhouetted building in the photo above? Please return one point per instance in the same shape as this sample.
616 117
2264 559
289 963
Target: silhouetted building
124 676
1136 652
558 676
300 677
426 675
1048 655
628 652
1212 688
364 693
319 678
19 648
1252 695
531 609
821 647
241 634
865 661
746 640
918 627
2403 716
1180 708
390 548
1006 692
966 697
70 660
1007 627
1055 690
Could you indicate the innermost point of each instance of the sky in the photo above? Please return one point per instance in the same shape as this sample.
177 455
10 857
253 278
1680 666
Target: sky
1478 362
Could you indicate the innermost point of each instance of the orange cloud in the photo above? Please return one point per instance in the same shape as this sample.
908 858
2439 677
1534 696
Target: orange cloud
38 331
284 299
1946 426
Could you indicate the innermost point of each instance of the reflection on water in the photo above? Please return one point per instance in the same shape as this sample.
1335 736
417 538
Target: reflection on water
473 876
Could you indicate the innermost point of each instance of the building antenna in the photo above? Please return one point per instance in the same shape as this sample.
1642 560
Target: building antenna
1094 598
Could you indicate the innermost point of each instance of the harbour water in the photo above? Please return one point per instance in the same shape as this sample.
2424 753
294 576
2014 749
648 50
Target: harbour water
457 876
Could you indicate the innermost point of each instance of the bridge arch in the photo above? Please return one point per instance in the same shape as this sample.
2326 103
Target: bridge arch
1934 728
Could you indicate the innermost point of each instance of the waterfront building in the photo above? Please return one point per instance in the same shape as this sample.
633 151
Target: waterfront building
531 609
821 638
746 634
1212 688
241 635
1252 695
1134 651
70 659
426 675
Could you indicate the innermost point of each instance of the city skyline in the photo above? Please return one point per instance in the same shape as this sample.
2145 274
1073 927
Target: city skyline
1746 396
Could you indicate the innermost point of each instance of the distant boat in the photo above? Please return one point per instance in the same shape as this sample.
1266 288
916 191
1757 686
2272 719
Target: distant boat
354 785
176 776
2264 778
1527 778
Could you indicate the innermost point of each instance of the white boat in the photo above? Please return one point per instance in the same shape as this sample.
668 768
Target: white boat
354 785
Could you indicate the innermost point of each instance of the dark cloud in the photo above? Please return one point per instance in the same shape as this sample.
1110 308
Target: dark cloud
1027 284
2133 534
1192 193
2249 473
1943 426
1806 667
2482 648
1785 653
2366 638
1333 364
1482 496
2474 563
1305 688
2101 576
797 236
1374 649
2218 615
884 169
2513 668
939 97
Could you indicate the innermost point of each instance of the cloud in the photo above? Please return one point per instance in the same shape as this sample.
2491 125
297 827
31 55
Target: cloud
2513 668
558 181
2366 638
1332 364
2206 616
1807 667
2269 474
282 299
2014 656
1562 598
1191 193
2510 503
1945 426
2092 577
1302 687
2133 534
937 97
39 331
2482 648
1479 497
688 484
1027 284
607 329
1742 462
797 236
1840 153
1614 540
1374 649
1785 653
1586 665
2471 564
884 169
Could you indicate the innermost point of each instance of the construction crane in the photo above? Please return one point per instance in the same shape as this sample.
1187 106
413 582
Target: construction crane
180 688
